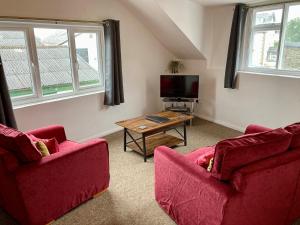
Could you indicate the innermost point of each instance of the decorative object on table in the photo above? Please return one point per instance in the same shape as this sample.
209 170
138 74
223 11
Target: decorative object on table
157 119
175 66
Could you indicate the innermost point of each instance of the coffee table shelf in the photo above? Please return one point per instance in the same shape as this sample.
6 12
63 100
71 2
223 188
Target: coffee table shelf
156 140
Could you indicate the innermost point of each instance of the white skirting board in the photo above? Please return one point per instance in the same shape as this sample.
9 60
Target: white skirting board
223 123
102 134
114 130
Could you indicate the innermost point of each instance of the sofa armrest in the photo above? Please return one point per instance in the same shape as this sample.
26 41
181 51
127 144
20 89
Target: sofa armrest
186 191
253 128
61 181
99 144
56 131
9 162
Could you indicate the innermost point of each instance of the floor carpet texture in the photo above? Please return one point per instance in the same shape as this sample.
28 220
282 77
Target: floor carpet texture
130 197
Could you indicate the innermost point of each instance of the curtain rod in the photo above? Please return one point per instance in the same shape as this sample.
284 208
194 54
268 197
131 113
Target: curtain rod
56 21
269 4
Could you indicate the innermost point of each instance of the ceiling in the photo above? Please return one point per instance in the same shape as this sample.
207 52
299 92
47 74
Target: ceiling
163 27
226 2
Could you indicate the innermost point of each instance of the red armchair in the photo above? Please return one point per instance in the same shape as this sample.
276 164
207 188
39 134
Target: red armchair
264 192
41 191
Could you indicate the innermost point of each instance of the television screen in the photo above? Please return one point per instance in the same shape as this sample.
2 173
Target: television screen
179 86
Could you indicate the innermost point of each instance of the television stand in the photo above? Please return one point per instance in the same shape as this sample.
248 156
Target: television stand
175 105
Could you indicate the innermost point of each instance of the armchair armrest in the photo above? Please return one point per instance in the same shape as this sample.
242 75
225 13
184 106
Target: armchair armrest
8 161
185 190
253 128
94 144
63 180
56 131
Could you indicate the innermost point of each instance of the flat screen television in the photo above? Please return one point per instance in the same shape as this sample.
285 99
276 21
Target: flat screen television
179 86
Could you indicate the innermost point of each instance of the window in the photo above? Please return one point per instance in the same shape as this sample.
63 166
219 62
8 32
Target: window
87 58
16 62
54 60
273 41
45 61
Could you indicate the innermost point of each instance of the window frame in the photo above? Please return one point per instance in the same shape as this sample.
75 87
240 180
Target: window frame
100 40
27 26
250 29
30 59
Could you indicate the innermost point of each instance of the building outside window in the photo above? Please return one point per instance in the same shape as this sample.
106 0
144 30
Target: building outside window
272 40
45 61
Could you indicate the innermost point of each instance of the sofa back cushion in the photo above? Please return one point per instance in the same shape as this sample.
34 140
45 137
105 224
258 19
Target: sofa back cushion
240 176
295 130
232 154
19 144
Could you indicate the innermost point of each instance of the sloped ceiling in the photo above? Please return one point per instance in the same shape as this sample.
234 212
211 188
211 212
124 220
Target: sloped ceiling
164 28
226 2
179 24
220 2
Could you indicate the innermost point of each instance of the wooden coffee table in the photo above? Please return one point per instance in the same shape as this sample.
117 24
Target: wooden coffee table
154 134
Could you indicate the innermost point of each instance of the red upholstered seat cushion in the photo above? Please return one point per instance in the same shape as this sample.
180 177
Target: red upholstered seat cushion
19 144
235 153
201 156
51 143
295 130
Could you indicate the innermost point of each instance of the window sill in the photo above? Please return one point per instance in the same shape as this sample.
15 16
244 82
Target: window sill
268 74
63 98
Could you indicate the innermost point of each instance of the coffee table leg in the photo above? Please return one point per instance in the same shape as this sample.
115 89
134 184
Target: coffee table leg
125 141
184 133
144 148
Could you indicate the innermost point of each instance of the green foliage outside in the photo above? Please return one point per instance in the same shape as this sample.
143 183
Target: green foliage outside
51 89
20 92
293 30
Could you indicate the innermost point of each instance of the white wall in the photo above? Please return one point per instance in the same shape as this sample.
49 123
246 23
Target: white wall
267 100
188 15
163 27
144 59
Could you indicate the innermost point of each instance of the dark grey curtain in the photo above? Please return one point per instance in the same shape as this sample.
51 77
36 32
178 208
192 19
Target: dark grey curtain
114 94
6 111
235 44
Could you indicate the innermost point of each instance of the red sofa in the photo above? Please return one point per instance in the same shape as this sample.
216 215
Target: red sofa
41 191
241 189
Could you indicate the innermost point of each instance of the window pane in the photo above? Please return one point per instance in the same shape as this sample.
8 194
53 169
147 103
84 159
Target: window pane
264 49
15 59
54 60
268 17
291 50
87 58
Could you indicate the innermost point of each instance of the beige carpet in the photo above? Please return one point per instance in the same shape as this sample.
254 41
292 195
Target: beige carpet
130 197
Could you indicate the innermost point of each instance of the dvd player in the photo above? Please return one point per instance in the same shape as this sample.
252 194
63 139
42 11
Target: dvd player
178 109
